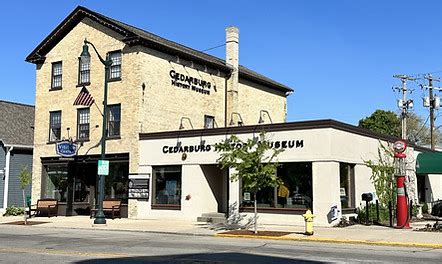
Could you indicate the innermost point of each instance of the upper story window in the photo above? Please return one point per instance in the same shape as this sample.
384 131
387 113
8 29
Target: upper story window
114 119
56 75
84 72
83 121
54 126
209 121
115 68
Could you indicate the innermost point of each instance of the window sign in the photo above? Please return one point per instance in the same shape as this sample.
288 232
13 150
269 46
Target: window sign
103 167
139 188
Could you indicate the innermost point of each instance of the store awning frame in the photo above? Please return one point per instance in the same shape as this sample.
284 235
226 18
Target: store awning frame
429 163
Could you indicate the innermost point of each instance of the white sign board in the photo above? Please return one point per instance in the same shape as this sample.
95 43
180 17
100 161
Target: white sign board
103 167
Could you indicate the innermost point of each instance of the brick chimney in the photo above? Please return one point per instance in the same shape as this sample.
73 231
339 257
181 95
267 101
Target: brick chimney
232 58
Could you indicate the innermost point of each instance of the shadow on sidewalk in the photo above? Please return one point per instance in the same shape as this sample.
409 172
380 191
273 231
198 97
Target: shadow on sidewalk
202 258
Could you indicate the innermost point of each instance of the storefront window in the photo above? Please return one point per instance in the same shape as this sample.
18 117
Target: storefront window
56 182
167 185
294 192
346 176
117 182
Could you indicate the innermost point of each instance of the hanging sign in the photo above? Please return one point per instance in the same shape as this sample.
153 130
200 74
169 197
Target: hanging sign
66 148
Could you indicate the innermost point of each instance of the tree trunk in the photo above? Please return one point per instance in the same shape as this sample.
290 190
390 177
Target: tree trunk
255 228
25 215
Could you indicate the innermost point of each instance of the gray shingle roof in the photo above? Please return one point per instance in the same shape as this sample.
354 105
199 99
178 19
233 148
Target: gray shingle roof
135 36
16 123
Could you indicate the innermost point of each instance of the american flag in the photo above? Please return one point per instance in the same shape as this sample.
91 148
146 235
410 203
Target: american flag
84 98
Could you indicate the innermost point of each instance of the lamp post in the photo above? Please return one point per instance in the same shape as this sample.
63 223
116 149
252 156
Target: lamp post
85 57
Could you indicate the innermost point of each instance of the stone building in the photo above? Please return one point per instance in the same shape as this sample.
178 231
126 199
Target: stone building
16 137
154 85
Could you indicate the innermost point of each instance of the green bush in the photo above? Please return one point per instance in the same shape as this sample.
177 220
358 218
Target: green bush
383 214
13 211
425 208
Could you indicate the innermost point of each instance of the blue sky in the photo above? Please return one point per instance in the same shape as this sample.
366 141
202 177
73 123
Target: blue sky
339 56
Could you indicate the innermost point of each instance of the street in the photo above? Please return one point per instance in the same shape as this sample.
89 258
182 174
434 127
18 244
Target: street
58 245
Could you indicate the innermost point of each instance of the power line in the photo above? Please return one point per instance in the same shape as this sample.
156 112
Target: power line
420 130
219 46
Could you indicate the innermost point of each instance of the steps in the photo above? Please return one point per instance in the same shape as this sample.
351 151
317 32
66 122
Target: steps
214 218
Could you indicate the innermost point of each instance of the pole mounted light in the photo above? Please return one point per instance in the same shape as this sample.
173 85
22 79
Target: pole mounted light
85 57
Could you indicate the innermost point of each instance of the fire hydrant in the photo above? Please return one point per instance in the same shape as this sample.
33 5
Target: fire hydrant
308 218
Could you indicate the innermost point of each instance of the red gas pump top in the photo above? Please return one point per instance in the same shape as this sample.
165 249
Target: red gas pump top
399 148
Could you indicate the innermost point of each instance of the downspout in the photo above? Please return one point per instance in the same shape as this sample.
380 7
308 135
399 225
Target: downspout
7 169
225 101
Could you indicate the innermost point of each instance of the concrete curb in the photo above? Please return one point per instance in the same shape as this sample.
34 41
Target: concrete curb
338 241
122 230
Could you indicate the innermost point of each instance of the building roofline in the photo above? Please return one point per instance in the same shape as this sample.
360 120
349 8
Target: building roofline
134 36
300 125
15 103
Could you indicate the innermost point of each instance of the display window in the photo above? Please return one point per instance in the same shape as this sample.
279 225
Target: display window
294 192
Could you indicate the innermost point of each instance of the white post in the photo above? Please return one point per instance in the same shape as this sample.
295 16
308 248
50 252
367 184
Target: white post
7 169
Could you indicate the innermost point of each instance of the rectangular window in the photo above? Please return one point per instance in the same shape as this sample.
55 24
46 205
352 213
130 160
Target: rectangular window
295 191
55 182
347 187
117 185
54 126
84 72
83 124
56 75
209 121
166 189
114 119
115 68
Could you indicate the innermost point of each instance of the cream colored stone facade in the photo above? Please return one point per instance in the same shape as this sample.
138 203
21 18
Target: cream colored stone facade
324 147
148 101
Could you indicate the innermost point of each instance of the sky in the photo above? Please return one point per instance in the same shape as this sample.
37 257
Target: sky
338 56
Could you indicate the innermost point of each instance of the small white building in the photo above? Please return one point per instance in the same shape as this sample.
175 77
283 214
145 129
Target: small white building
322 168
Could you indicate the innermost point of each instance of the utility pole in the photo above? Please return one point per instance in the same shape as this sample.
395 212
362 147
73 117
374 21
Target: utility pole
433 102
403 103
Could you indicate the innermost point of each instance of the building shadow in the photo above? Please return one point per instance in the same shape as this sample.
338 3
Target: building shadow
225 257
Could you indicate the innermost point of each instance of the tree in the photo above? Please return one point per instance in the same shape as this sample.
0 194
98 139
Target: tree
25 179
254 162
389 123
384 122
418 131
383 175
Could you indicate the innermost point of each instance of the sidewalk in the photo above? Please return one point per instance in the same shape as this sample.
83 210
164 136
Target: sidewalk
356 234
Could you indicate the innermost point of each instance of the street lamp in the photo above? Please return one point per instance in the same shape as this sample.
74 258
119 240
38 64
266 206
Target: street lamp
85 57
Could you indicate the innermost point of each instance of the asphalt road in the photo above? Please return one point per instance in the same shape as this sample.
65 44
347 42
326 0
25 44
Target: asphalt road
33 244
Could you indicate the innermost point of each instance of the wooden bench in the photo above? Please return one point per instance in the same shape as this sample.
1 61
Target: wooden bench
46 206
111 207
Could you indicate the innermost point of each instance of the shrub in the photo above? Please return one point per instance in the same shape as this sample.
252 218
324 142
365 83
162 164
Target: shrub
425 208
13 211
383 214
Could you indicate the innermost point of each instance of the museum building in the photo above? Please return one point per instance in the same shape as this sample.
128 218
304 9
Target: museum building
154 85
168 105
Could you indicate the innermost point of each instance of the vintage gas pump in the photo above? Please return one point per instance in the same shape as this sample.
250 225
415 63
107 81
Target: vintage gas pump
400 173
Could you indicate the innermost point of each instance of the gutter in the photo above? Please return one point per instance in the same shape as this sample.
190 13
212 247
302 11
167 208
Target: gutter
18 146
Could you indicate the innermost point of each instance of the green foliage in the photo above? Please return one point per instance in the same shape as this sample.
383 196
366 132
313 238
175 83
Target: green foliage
383 175
25 177
383 214
13 211
418 132
425 208
253 160
384 122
